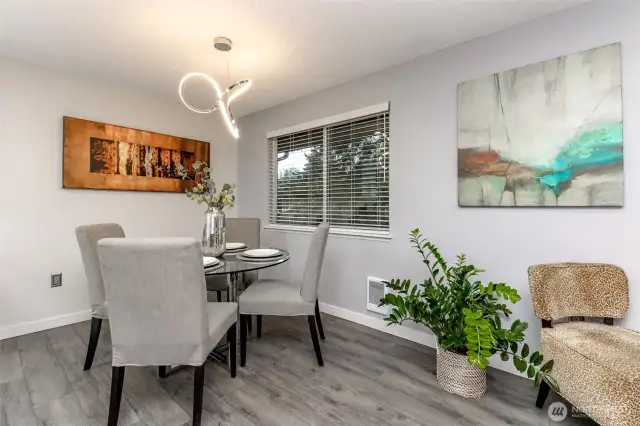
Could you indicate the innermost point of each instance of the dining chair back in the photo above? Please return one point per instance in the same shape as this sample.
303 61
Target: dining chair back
243 230
157 299
313 265
159 313
238 230
88 237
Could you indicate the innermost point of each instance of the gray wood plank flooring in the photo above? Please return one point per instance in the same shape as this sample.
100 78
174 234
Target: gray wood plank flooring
369 378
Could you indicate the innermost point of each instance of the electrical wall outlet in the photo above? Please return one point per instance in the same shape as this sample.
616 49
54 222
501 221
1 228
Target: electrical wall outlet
56 280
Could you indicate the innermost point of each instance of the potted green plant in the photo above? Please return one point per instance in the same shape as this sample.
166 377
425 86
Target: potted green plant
466 318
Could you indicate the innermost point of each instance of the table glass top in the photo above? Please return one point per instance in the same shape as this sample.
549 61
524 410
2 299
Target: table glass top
232 263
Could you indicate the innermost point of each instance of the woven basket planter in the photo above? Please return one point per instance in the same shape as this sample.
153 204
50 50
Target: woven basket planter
457 376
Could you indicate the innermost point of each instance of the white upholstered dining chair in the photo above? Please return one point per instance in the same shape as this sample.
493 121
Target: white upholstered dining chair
238 230
159 312
282 298
88 237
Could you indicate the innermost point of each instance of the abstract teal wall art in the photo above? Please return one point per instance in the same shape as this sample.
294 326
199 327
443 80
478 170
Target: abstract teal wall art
544 135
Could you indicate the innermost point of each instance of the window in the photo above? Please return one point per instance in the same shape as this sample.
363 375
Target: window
337 173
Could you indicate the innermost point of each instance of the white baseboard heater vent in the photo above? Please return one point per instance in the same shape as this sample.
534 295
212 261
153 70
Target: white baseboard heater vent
376 291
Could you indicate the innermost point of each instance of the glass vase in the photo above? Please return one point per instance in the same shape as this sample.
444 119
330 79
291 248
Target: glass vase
214 233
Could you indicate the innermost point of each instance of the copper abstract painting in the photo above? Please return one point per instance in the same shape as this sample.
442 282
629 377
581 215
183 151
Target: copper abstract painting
104 156
544 135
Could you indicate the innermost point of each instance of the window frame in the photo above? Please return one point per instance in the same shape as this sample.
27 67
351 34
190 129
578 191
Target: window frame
359 233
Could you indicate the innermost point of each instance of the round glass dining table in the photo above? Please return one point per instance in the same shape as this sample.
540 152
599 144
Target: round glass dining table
234 265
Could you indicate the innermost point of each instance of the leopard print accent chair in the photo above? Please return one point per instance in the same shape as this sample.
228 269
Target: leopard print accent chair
595 365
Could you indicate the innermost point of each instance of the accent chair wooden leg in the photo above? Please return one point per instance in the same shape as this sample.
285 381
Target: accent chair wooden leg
319 321
543 392
243 340
96 324
198 390
249 324
259 325
233 342
117 380
314 337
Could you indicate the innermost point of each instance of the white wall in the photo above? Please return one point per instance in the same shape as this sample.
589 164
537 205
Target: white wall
38 217
424 167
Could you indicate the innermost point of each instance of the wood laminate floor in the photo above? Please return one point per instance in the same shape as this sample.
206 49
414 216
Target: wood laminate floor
369 378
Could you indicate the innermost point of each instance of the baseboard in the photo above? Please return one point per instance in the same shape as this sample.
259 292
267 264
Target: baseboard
422 337
418 336
43 324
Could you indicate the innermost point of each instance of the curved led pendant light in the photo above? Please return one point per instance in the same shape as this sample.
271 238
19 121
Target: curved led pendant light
223 99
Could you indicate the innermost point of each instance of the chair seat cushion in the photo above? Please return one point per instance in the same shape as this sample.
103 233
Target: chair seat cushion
274 297
612 347
597 369
100 311
221 316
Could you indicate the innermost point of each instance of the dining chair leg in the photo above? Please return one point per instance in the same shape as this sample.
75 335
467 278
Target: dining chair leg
314 337
259 325
319 321
163 371
243 340
232 334
117 380
249 324
96 324
219 296
198 390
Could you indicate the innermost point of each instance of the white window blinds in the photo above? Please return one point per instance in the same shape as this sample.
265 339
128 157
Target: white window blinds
337 173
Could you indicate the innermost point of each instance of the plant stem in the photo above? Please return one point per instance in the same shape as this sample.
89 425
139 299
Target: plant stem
424 257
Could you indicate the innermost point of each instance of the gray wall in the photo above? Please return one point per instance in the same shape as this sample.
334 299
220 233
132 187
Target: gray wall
424 166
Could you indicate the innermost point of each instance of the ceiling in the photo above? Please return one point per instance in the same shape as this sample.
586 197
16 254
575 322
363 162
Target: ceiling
289 47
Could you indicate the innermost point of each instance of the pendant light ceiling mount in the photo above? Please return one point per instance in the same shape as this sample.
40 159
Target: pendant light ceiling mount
223 98
222 44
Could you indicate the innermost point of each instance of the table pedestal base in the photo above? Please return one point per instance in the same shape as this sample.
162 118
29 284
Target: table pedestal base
220 354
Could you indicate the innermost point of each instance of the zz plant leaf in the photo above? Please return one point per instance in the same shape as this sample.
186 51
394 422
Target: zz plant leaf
465 315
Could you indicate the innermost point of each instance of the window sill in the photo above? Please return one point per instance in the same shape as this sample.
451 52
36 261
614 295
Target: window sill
359 234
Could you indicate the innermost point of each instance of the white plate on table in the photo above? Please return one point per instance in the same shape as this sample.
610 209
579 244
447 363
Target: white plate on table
261 253
209 261
259 259
235 246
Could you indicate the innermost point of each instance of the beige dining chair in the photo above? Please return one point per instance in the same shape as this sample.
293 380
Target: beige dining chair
159 313
238 230
282 298
88 237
